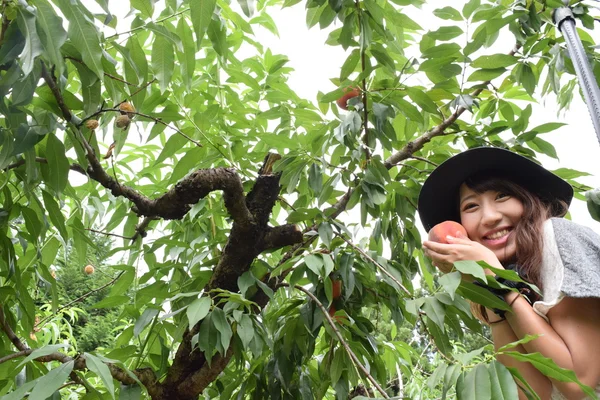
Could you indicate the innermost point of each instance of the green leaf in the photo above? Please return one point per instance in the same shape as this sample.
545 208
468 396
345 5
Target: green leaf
163 61
486 74
350 64
445 33
494 61
56 217
198 309
422 100
96 365
526 339
41 352
475 384
442 51
58 164
470 7
439 337
83 34
50 382
201 14
51 32
187 58
450 282
33 45
481 296
245 330
221 324
448 13
143 321
217 34
435 311
548 367
471 268
145 7
111 301
248 7
503 384
314 262
411 112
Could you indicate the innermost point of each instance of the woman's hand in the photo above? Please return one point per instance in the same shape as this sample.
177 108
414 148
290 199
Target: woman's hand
458 249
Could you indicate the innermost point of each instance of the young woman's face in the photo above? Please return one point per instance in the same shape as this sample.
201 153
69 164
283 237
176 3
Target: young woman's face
490 219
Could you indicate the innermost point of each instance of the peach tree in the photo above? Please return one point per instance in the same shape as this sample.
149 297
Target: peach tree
264 245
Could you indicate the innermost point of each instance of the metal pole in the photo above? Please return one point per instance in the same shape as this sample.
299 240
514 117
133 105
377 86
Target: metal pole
565 21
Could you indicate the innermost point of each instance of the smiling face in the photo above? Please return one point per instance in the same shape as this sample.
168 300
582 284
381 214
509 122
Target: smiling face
490 218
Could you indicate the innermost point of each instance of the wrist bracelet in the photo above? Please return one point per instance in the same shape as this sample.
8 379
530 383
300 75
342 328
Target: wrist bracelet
522 288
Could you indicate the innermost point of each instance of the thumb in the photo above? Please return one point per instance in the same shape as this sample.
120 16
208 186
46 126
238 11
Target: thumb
461 235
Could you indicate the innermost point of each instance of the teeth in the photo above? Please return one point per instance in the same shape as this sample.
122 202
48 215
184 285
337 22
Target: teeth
498 235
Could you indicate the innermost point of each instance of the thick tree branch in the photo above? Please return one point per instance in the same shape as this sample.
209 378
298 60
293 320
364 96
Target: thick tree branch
281 236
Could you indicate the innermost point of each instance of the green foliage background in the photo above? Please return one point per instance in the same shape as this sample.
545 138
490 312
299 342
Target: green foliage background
199 104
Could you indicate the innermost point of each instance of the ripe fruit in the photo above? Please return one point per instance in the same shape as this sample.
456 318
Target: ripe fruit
91 124
89 269
126 108
349 93
336 288
123 121
336 318
439 232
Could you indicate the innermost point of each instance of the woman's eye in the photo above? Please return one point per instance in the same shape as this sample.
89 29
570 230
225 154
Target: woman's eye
502 196
469 206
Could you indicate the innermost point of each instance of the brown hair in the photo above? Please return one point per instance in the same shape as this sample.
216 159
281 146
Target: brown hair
528 232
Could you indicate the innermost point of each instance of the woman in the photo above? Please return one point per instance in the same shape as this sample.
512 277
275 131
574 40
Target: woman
509 206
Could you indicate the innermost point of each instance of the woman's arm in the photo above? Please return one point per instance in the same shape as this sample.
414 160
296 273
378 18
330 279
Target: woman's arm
571 339
502 334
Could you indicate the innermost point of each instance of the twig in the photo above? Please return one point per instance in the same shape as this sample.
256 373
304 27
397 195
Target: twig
340 338
155 119
379 266
9 332
80 298
108 234
140 229
431 338
72 167
144 26
15 355
424 160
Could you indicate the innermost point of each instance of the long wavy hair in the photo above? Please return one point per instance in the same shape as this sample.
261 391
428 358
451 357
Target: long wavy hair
528 232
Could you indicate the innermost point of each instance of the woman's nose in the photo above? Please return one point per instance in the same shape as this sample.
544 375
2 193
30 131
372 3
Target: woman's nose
491 216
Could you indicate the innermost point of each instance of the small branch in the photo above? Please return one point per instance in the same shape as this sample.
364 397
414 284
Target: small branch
72 167
424 160
140 229
144 26
379 266
108 234
340 338
80 298
56 92
431 338
155 119
9 332
12 356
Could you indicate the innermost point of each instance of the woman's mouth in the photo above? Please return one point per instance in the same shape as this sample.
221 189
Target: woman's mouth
497 238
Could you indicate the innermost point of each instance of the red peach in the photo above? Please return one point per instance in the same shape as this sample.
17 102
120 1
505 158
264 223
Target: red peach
439 232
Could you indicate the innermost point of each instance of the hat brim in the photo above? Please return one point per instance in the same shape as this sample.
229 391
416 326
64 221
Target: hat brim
438 200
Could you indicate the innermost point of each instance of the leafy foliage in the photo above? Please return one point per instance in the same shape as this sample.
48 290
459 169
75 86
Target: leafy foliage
177 133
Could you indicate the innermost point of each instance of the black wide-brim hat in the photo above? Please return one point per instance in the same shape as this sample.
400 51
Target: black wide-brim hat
438 200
